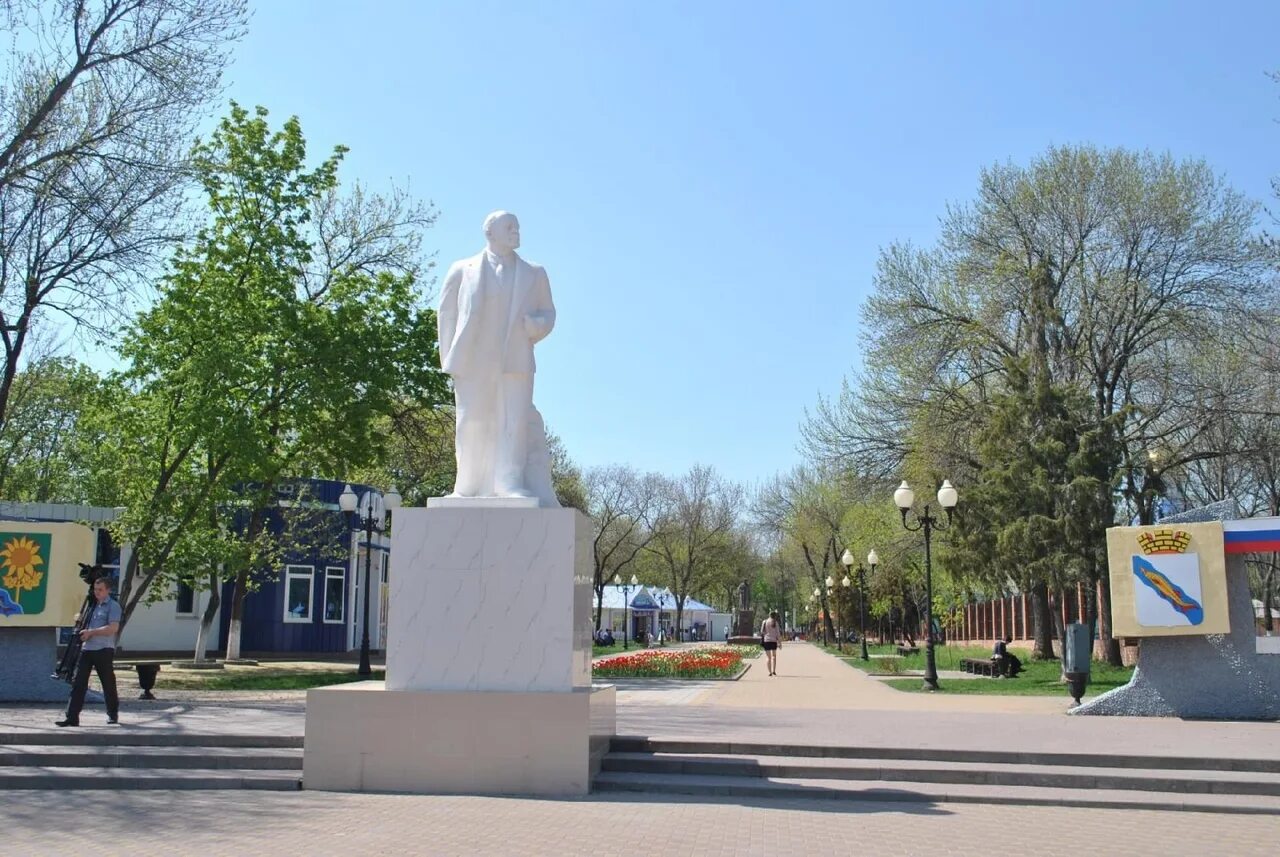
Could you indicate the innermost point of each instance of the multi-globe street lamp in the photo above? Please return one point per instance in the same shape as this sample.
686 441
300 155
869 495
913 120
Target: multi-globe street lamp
823 619
873 559
904 498
371 512
832 605
626 604
845 583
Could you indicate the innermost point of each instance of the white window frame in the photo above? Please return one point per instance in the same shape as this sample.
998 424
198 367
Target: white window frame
195 602
332 572
292 572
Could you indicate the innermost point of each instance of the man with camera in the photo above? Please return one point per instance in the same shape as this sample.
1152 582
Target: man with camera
96 654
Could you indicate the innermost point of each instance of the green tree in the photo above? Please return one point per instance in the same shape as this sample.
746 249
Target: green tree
280 339
41 457
1103 267
98 110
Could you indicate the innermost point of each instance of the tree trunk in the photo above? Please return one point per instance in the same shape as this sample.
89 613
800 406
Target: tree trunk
1091 609
599 604
1268 587
206 619
241 590
1043 632
1110 645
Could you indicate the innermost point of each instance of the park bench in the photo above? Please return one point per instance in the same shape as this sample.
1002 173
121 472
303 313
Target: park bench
993 667
903 651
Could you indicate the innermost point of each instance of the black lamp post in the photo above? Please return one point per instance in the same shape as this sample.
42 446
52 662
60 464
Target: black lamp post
833 603
626 605
873 560
374 513
904 498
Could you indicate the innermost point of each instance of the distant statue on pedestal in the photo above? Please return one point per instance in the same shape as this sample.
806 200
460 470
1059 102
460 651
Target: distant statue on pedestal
494 307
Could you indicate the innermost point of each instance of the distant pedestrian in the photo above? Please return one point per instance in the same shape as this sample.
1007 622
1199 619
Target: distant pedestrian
771 637
97 654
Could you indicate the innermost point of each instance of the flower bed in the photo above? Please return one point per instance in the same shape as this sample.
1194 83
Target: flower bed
691 663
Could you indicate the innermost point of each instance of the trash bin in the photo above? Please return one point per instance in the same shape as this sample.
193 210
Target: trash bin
1077 657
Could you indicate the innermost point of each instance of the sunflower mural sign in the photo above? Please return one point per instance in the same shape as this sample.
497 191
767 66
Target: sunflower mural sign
40 581
24 572
1168 580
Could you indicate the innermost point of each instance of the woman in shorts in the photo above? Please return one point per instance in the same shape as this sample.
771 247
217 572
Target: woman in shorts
771 635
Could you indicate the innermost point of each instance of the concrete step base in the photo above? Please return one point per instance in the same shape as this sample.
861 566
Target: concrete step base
63 778
90 735
1265 763
946 772
810 790
218 758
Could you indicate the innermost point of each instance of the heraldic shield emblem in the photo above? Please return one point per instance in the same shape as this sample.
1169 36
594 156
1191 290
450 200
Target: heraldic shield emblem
1168 593
1168 580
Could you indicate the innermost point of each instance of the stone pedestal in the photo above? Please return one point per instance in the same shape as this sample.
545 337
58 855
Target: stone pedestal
1217 676
488 687
26 667
744 623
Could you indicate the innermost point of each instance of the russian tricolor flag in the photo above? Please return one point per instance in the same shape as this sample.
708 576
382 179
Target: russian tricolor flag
1252 535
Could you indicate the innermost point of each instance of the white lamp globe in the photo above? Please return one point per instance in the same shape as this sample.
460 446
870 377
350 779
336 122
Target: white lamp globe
847 558
904 497
347 500
947 495
873 558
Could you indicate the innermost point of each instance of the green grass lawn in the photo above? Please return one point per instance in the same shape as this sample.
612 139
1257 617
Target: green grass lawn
1038 678
260 680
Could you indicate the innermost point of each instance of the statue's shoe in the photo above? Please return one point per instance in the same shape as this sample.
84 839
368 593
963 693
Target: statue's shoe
515 492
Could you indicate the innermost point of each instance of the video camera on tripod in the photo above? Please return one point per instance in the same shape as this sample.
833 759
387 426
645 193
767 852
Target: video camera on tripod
66 668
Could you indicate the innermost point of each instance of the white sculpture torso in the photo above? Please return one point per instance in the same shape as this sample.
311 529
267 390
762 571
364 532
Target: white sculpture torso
494 307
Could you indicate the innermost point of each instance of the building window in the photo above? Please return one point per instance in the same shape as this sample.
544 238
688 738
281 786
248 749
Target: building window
298 583
186 600
334 594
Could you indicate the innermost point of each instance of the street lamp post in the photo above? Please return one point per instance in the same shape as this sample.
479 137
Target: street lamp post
904 498
844 585
823 619
847 560
873 559
626 605
835 620
374 513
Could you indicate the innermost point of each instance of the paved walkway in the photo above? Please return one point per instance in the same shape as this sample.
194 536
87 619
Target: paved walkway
132 824
815 699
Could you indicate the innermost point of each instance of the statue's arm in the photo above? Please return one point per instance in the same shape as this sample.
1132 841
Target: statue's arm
542 317
447 314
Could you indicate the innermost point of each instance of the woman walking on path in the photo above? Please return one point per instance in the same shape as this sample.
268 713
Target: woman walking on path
771 635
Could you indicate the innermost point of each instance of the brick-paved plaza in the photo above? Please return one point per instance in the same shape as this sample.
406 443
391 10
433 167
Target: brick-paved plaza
247 823
814 699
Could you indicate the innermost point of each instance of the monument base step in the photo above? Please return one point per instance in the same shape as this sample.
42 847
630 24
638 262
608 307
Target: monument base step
941 775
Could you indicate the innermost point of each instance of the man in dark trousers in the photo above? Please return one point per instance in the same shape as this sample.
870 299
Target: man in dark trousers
97 654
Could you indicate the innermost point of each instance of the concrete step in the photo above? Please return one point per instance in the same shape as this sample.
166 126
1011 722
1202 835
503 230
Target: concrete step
946 772
63 778
640 744
125 736
817 789
220 758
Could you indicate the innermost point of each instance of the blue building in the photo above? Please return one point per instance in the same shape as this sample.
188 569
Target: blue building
311 603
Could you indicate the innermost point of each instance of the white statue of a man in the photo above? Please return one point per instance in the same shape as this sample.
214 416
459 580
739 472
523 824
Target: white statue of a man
493 307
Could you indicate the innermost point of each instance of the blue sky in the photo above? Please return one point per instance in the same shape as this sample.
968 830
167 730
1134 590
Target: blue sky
709 183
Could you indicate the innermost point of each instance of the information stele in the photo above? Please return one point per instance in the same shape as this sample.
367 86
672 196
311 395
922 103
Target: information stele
40 583
1168 580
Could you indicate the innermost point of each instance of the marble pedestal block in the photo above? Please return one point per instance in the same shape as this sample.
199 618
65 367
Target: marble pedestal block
362 737
488 687
494 599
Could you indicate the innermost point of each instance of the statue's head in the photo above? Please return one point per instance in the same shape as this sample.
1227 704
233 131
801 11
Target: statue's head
502 231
